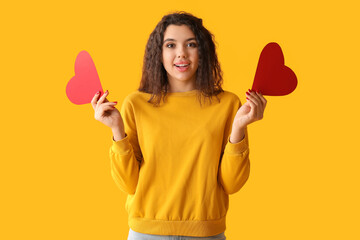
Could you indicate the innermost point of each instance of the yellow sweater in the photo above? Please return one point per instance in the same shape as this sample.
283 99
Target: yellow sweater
177 164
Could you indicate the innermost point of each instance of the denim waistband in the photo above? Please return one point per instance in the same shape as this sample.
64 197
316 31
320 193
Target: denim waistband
142 236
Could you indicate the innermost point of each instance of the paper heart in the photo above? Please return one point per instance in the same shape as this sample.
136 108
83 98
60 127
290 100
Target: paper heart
82 87
272 77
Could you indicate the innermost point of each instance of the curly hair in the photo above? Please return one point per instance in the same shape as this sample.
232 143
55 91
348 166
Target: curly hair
154 77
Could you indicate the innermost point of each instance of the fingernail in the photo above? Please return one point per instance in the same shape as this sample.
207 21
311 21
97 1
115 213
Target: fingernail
106 91
247 99
247 93
115 102
98 93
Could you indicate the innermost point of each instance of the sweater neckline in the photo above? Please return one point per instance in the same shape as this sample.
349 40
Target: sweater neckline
187 93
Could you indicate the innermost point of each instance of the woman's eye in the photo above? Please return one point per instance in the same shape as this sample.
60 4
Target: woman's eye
192 44
170 45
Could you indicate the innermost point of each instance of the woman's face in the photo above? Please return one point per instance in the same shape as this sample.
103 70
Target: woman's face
180 55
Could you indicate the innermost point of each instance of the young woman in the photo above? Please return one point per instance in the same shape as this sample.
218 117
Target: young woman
180 145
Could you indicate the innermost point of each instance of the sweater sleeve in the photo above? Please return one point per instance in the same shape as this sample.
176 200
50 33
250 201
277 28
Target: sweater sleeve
234 163
125 154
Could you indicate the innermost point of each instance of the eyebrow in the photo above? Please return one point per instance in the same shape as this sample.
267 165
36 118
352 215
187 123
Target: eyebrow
173 40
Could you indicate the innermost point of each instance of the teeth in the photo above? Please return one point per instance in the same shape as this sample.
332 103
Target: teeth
182 65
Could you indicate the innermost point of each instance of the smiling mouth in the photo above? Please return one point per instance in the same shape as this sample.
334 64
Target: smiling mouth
181 65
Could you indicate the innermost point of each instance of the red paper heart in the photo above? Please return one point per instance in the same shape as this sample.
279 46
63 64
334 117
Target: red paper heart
272 77
82 87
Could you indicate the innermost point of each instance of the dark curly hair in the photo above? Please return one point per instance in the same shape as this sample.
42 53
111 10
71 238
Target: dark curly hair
154 77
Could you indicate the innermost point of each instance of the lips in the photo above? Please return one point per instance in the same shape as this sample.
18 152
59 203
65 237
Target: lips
182 66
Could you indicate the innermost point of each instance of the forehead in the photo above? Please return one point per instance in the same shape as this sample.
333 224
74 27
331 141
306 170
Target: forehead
178 32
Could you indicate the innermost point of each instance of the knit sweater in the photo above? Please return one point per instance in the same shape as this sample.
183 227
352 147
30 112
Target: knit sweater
176 163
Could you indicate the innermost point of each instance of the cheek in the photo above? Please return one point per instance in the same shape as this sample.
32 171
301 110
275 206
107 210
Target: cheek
166 58
196 56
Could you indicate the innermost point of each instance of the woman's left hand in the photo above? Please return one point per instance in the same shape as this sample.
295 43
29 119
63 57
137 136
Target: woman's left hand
251 111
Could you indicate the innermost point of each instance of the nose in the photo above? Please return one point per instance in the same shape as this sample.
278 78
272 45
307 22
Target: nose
181 53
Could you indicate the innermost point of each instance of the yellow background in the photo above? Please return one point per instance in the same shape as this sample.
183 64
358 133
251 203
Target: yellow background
55 174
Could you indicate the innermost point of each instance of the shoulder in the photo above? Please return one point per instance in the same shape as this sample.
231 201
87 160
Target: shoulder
229 98
132 96
135 100
136 96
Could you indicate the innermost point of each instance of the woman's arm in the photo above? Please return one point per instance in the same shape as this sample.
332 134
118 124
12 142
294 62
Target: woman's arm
124 165
235 165
125 153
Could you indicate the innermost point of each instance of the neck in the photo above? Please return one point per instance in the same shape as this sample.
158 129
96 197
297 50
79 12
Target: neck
181 86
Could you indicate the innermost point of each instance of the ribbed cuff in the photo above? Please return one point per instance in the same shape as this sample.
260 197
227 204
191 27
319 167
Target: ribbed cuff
237 148
122 146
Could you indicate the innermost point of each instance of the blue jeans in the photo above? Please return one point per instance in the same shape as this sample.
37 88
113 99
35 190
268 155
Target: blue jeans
141 236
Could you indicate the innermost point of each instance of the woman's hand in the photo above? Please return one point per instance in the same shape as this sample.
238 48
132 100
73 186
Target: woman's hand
251 111
106 112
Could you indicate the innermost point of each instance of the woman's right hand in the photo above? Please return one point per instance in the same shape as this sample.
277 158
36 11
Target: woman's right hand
106 112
